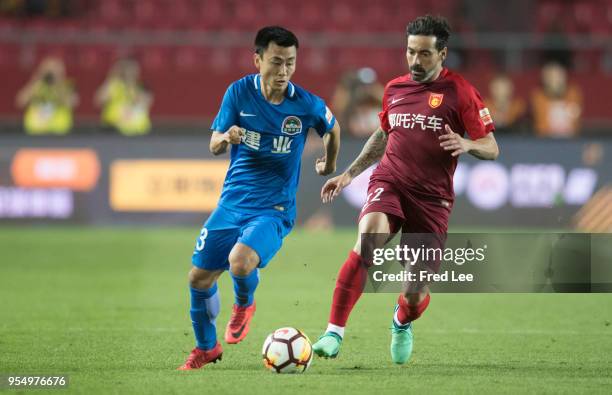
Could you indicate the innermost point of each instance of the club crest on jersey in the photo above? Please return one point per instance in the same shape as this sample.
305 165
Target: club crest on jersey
435 99
292 125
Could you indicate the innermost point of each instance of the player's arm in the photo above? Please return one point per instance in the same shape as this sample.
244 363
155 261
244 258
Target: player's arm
219 141
484 148
25 95
331 142
372 151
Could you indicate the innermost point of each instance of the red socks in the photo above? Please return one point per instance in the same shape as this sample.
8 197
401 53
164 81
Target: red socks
349 287
407 313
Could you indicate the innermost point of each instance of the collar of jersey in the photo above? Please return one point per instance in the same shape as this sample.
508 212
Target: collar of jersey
289 93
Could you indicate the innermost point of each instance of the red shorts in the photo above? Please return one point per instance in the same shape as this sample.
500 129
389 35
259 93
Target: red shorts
405 210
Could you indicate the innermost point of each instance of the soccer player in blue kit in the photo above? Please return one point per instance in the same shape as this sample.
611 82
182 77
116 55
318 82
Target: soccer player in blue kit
265 120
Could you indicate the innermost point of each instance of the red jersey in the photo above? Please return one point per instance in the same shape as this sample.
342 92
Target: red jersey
414 115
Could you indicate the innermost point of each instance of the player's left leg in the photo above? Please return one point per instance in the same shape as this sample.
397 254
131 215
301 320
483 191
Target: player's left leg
426 227
261 237
409 307
209 260
245 275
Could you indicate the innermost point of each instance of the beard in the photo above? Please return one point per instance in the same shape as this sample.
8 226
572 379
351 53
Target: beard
420 74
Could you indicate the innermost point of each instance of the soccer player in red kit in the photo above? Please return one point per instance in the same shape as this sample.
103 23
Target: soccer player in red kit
429 117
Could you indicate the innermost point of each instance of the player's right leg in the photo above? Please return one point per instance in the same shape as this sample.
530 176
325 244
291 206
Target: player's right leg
352 278
261 236
204 310
210 259
380 218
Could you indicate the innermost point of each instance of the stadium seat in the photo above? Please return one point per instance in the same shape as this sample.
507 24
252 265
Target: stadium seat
314 60
113 13
9 24
277 13
311 17
9 54
180 14
190 58
155 58
244 16
220 59
95 56
549 15
211 15
242 59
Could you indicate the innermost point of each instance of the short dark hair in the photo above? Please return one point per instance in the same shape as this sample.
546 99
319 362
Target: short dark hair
429 25
276 34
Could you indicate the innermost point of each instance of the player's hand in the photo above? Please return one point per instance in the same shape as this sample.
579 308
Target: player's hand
323 168
334 186
451 141
234 134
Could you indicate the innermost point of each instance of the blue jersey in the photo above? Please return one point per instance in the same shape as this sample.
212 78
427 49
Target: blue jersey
264 168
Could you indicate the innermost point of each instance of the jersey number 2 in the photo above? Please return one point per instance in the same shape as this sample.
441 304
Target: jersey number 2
371 199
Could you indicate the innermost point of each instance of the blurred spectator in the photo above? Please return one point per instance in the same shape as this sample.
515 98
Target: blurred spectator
507 110
48 99
124 99
357 101
556 105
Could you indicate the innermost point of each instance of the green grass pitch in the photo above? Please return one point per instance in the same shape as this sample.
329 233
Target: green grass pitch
109 307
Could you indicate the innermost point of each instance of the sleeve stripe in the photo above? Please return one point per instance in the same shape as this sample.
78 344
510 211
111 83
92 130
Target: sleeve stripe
292 90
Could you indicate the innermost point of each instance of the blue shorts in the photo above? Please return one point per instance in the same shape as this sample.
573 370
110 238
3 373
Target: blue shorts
224 228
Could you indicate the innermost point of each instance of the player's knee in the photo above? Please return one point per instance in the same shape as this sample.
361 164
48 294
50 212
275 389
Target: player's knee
241 264
201 279
375 223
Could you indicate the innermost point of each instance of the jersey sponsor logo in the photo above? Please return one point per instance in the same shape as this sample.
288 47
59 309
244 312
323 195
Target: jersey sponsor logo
252 139
394 100
415 121
292 125
281 145
435 99
244 114
485 116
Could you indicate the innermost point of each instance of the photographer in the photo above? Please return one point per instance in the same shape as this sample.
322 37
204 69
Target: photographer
49 99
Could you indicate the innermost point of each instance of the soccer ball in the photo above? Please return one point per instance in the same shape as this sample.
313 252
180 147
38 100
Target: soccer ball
287 350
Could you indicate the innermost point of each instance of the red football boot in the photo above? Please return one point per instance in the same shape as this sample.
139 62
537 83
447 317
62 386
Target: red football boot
198 357
238 325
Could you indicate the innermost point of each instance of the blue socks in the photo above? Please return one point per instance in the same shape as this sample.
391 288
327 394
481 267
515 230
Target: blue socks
244 287
205 307
204 310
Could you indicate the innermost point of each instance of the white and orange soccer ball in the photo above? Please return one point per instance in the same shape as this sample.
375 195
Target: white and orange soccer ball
287 350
